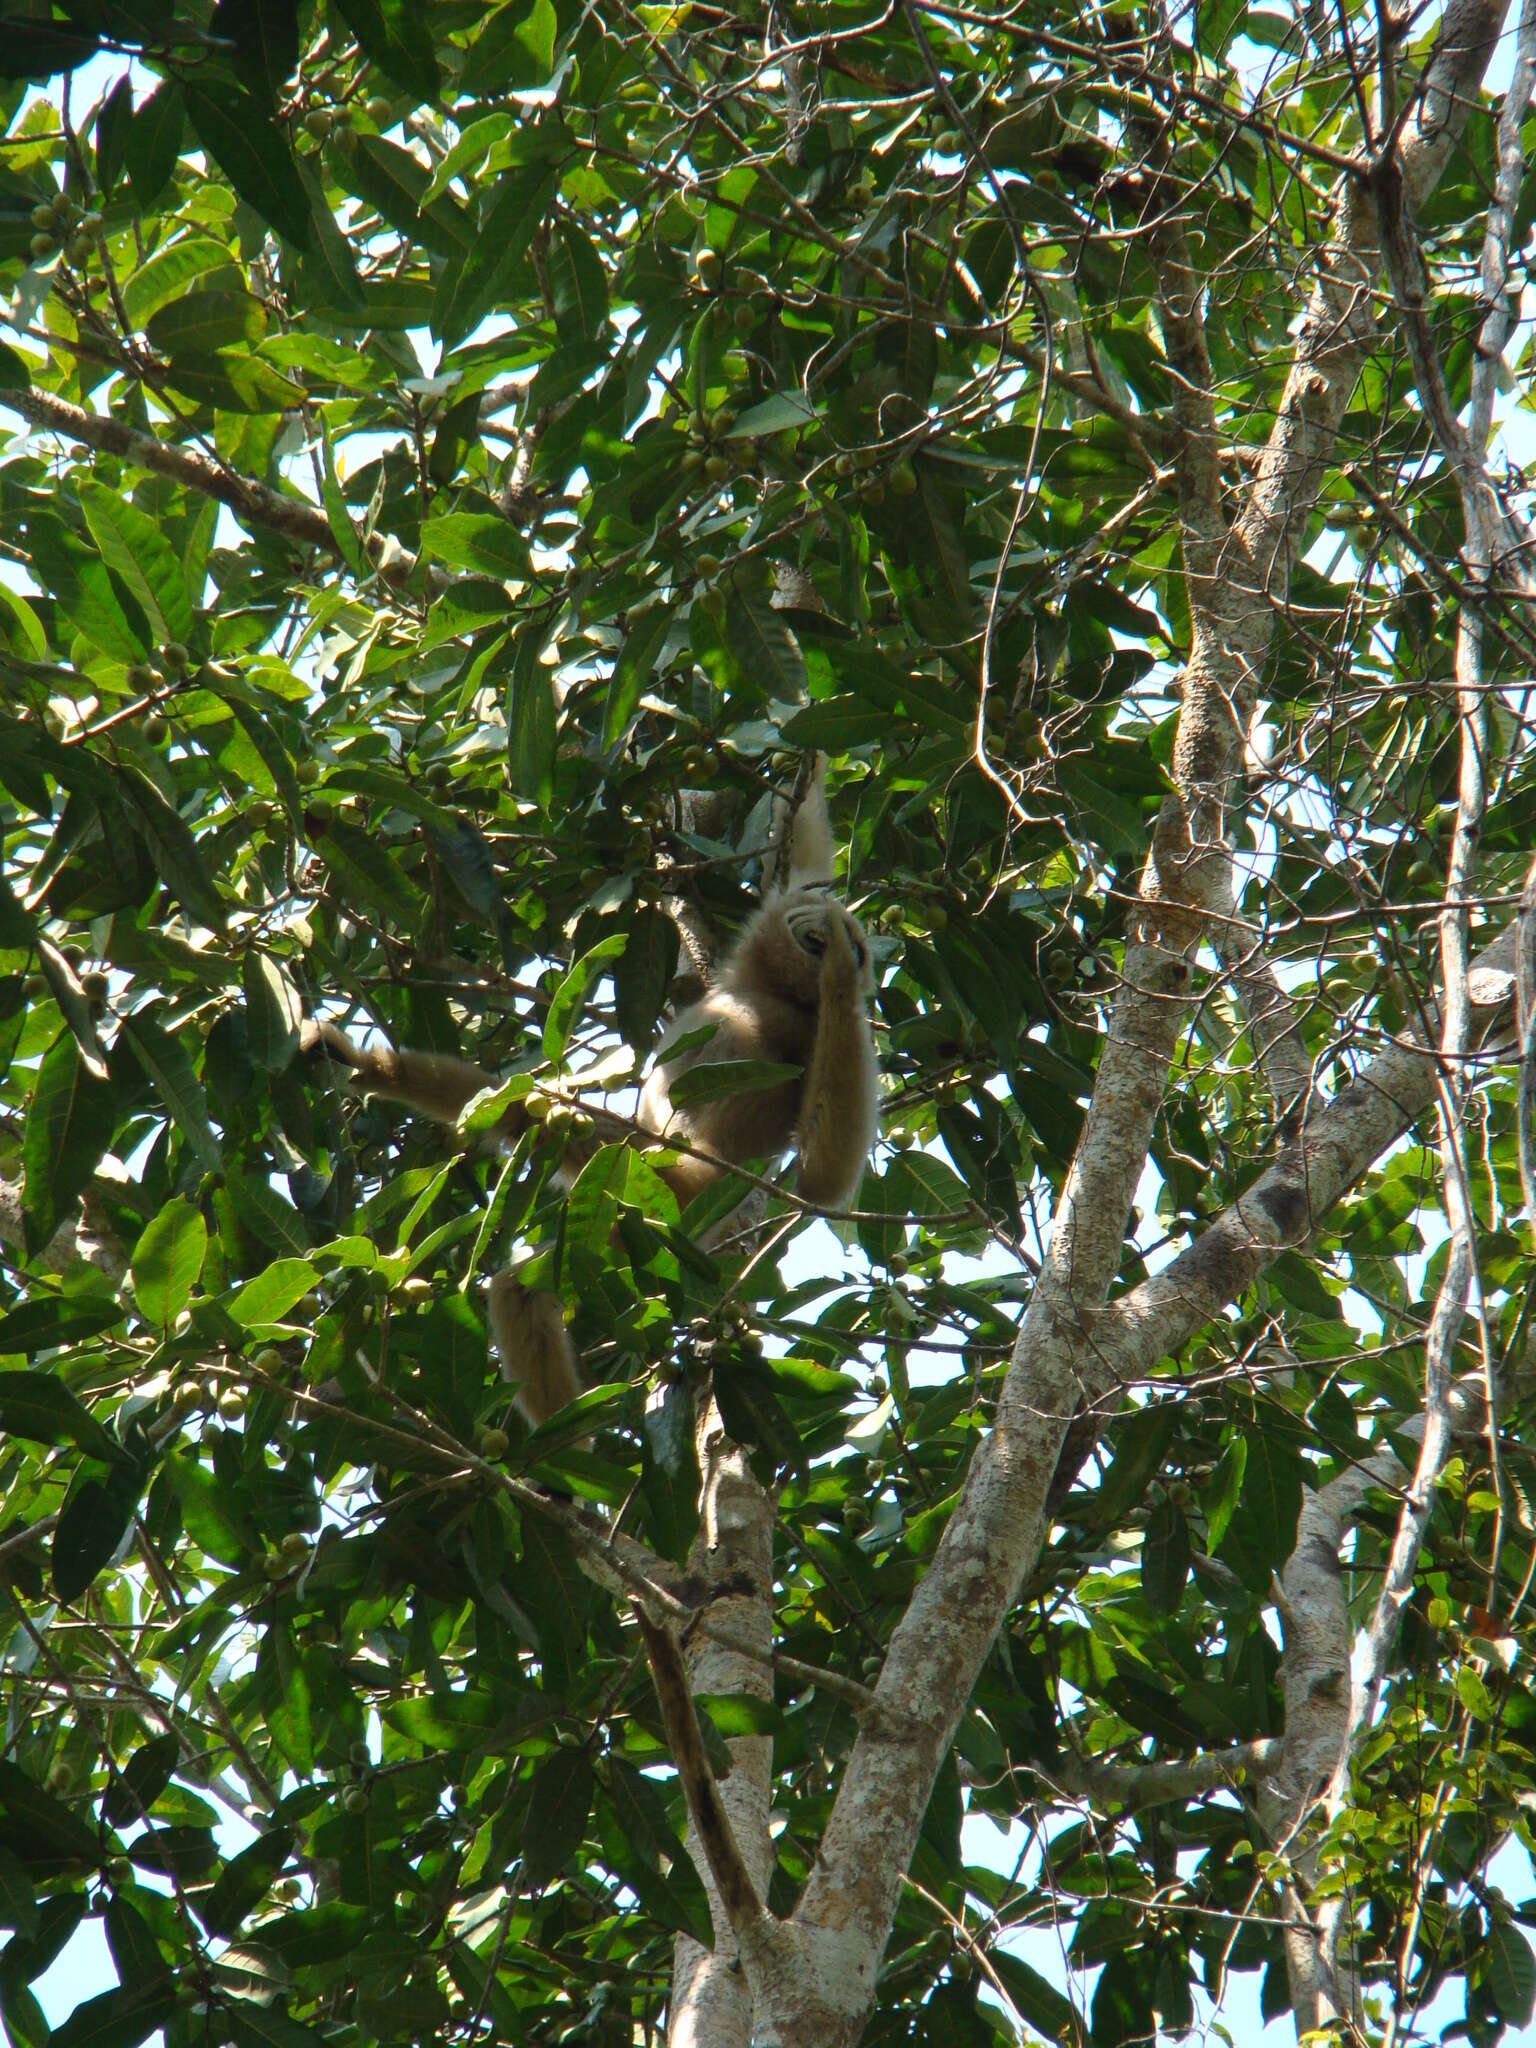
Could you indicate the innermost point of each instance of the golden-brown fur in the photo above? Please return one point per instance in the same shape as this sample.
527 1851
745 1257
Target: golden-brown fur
792 990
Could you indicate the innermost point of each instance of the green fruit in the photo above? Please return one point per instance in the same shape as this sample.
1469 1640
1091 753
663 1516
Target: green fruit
744 319
948 142
440 778
873 492
98 987
903 478
379 110
707 268
186 1394
317 122
709 565
722 420
306 772
492 1444
92 223
358 1757
355 1799
717 468
843 466
295 1545
343 118
42 245
45 217
175 656
154 728
231 1404
140 676
268 1362
317 819
80 249
693 461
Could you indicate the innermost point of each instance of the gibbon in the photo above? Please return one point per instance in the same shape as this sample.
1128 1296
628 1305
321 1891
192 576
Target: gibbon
792 990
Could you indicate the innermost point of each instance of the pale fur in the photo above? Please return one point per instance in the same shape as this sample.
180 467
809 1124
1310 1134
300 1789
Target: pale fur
791 990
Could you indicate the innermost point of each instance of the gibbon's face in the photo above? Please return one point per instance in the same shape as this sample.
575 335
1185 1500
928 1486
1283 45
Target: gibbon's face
808 915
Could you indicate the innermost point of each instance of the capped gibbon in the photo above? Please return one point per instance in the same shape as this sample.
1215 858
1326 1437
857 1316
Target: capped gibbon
792 990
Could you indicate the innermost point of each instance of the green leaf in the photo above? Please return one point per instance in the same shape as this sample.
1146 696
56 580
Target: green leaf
265 35
245 1881
1165 1557
70 1122
476 542
580 285
42 1409
133 545
118 2019
168 1067
167 1260
644 974
714 1080
456 1721
273 1012
764 645
565 1005
1509 1973
205 321
97 1514
142 1779
476 286
234 382
42 1830
76 577
153 142
647 635
370 873
170 840
669 1469
557 1816
249 147
268 1298
397 36
532 732
50 1322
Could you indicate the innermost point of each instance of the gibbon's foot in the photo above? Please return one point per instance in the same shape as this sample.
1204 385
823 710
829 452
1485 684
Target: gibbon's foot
534 1347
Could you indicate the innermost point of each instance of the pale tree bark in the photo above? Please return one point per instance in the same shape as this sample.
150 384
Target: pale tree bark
813 1978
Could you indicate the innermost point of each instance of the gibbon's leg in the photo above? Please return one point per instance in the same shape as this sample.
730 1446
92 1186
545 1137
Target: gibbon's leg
838 1105
435 1084
534 1346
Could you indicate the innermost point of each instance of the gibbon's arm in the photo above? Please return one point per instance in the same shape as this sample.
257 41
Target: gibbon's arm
838 1107
538 1359
434 1084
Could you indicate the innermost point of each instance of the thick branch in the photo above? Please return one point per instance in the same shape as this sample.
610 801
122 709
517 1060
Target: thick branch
256 503
743 1908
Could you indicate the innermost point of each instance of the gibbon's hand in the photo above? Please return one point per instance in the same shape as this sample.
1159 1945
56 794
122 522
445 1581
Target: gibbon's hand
319 1040
840 970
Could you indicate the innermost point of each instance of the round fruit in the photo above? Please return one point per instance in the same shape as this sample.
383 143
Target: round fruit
707 267
307 771
140 676
358 1757
317 819
175 655
98 987
744 319
947 142
379 111
843 466
343 117
295 1545
186 1394
492 1444
231 1404
709 565
42 245
722 420
903 478
717 468
874 492
355 1799
153 728
317 122
45 217
274 1566
693 461
92 223
80 249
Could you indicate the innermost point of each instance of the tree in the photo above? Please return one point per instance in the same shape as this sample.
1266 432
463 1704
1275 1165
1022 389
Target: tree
469 460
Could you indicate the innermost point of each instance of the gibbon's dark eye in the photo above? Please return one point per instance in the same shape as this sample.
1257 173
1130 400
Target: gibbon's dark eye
814 940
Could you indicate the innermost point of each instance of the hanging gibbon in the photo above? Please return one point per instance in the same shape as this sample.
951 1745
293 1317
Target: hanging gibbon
792 990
